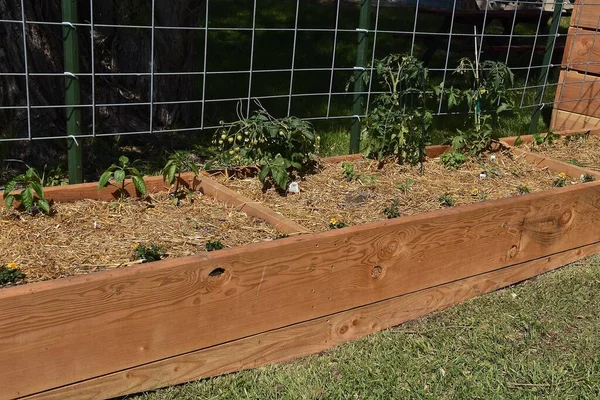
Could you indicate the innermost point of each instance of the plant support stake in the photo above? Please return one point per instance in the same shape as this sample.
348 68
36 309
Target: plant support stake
72 89
539 96
359 85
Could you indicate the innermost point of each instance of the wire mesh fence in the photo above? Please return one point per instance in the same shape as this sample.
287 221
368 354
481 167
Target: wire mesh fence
133 67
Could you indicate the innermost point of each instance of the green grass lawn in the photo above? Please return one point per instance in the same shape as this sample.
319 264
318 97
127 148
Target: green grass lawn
538 339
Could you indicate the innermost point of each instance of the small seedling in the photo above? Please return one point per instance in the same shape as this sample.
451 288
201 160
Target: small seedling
577 163
479 194
522 189
119 173
453 159
213 245
171 172
334 223
587 178
10 273
404 186
393 211
547 139
148 253
367 179
560 180
32 196
348 171
446 200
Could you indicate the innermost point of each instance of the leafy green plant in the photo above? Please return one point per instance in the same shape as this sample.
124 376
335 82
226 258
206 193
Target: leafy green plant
31 196
54 176
587 178
177 163
148 253
542 140
276 145
398 123
486 98
10 273
212 245
405 186
577 163
119 173
523 189
560 180
393 211
334 223
348 171
576 137
446 200
453 159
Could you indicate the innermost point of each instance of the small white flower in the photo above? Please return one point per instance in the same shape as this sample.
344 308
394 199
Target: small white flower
493 158
294 188
482 175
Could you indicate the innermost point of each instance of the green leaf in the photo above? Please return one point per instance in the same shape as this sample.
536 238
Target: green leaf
104 179
139 184
8 200
264 172
27 198
280 177
44 205
503 107
171 173
38 189
518 141
119 176
124 161
194 168
10 186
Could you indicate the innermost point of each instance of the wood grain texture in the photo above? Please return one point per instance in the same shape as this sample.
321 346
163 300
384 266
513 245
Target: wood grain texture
586 14
582 52
578 93
64 331
308 337
565 120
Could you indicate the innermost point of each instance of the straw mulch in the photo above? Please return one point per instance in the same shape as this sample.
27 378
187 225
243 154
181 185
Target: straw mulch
92 235
326 194
580 150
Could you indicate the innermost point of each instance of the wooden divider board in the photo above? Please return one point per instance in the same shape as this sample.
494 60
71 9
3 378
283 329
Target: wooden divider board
578 93
59 332
307 337
565 120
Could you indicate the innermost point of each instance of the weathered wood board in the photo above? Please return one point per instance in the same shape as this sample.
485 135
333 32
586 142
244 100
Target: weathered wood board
59 332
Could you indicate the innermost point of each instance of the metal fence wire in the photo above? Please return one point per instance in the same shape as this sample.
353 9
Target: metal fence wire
78 69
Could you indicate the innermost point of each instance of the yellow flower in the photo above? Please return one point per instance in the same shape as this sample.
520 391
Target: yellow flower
333 220
135 246
475 192
12 265
562 175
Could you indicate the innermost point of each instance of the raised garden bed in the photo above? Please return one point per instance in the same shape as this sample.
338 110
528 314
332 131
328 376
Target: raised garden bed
92 235
579 149
364 197
132 329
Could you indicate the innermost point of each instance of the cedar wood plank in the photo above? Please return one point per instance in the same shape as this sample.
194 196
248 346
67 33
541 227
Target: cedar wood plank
309 337
585 14
565 120
64 331
578 93
582 51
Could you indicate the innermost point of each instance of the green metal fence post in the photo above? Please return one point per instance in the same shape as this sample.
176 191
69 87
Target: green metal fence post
72 89
539 97
359 85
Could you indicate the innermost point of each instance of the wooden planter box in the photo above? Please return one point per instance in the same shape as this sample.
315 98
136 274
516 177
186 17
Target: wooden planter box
116 332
